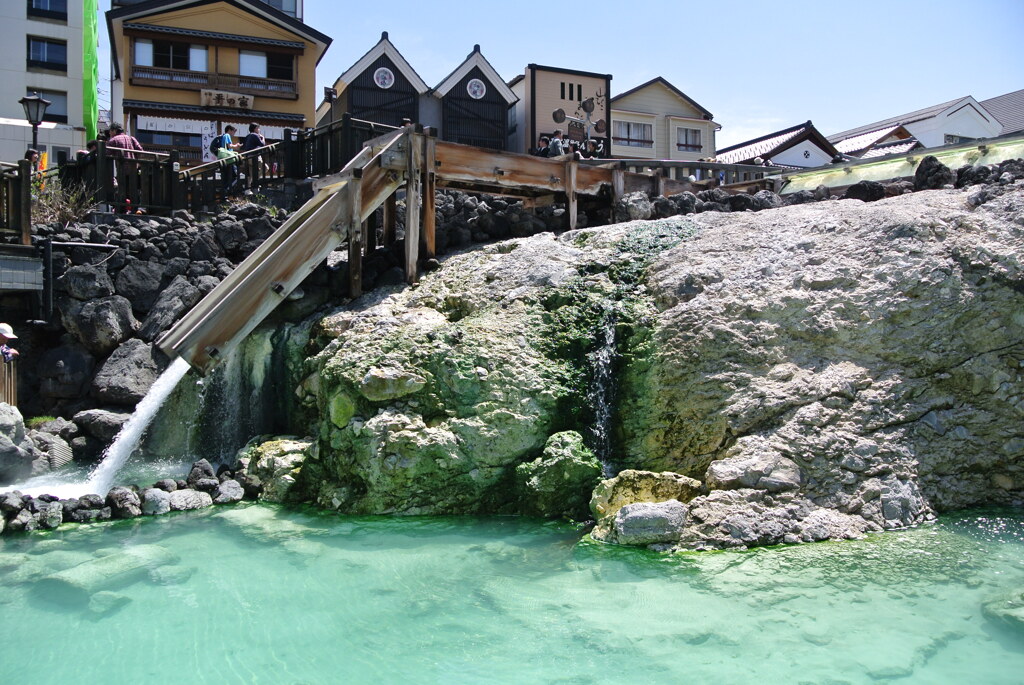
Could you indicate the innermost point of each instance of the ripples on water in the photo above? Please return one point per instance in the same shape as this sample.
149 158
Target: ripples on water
258 594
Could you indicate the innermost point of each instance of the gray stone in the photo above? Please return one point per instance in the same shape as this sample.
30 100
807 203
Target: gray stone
176 299
51 515
200 470
932 174
127 375
183 500
100 325
124 502
101 424
140 283
155 502
228 491
633 206
87 282
646 523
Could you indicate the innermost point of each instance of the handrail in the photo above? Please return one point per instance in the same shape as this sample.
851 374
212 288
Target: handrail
144 153
186 174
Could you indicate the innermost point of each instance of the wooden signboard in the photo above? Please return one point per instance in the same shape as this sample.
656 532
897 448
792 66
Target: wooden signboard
577 132
220 98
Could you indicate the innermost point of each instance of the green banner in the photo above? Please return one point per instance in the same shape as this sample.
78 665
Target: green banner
90 67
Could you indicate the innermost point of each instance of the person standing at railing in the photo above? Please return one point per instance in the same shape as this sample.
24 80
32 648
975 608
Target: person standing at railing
254 141
6 335
226 150
122 142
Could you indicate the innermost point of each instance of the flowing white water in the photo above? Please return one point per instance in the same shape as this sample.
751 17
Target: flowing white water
102 477
601 393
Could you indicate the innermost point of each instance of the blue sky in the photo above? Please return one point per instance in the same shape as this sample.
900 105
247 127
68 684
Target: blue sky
757 66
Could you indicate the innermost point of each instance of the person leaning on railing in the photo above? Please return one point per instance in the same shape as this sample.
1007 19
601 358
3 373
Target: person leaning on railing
7 335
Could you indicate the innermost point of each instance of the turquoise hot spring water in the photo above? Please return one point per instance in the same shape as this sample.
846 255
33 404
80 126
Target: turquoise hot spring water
262 594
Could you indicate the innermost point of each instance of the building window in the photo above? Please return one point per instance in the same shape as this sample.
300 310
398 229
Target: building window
949 139
47 54
286 6
633 134
169 55
688 140
265 65
48 9
571 96
563 90
57 112
169 139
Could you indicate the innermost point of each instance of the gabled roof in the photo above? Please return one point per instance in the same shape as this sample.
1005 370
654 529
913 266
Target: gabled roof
383 47
856 146
896 147
901 120
255 7
773 143
676 91
1008 110
475 59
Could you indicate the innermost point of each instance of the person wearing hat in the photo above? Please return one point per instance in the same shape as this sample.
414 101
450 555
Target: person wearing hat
6 335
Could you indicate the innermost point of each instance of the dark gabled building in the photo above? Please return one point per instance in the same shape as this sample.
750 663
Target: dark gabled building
381 87
475 104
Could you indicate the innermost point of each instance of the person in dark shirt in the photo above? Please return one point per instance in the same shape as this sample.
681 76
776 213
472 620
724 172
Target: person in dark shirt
254 167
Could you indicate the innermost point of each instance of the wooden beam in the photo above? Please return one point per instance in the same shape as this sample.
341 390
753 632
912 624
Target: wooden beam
476 165
571 167
412 212
429 189
390 220
354 223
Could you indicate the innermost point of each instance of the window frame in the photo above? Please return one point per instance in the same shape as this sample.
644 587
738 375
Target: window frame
629 140
689 146
46 63
53 96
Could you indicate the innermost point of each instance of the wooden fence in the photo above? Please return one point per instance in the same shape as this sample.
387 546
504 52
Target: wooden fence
9 382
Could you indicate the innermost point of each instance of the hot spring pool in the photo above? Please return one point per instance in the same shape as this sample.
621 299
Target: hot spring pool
260 594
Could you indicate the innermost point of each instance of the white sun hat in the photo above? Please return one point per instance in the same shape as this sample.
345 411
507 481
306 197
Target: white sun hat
7 331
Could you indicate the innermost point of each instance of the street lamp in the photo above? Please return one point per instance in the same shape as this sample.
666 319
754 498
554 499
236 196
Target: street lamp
35 109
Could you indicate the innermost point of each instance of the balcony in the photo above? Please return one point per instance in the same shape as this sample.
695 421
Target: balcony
203 80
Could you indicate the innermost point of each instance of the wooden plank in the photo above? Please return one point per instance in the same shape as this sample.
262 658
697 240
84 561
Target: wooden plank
24 201
571 167
429 189
354 223
412 213
468 165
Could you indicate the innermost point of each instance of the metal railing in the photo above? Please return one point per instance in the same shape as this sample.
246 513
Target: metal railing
681 170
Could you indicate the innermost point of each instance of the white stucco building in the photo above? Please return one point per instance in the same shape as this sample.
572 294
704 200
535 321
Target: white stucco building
41 50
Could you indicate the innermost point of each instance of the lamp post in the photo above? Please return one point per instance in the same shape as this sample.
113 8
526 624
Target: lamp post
35 109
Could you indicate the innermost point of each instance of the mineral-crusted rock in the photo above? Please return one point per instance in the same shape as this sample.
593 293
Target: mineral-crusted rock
748 518
381 385
753 463
875 346
631 487
646 523
276 463
559 482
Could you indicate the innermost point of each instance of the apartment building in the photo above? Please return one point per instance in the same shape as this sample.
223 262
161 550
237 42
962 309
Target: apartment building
48 47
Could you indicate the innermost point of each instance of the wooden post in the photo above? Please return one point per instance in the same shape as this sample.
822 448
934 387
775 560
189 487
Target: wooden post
352 219
24 201
570 191
390 220
412 208
429 188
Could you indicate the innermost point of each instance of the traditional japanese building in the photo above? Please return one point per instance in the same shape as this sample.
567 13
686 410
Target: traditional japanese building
381 87
476 105
656 120
544 90
184 69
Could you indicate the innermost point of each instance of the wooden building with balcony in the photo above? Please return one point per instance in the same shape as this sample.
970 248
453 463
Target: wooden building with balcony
184 69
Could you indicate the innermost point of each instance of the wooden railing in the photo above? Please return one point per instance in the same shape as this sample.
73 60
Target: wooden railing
679 170
16 200
200 80
212 183
327 149
9 382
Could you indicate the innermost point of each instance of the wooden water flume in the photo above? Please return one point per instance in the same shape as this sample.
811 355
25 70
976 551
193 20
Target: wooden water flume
410 157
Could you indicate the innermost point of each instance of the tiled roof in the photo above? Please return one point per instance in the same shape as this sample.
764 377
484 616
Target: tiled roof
895 148
211 35
863 141
759 147
1008 110
907 118
212 111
